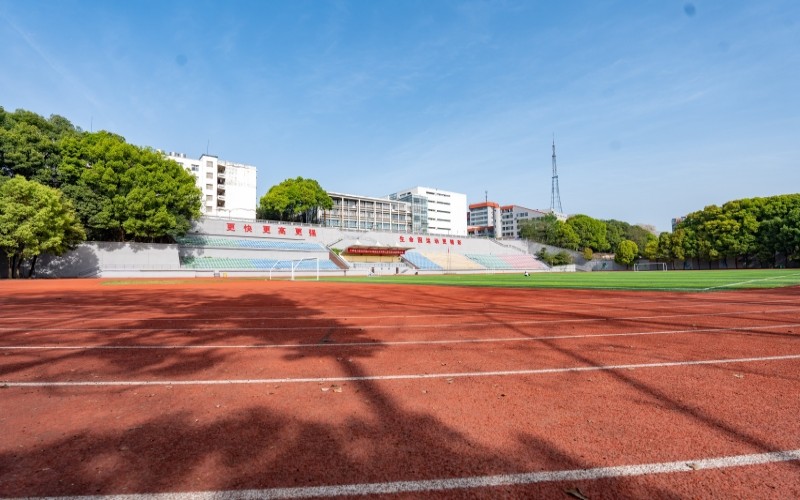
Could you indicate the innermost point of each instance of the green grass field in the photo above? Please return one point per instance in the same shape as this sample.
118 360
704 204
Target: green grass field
650 280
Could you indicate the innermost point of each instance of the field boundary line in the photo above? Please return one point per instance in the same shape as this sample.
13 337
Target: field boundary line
749 281
460 483
502 373
394 342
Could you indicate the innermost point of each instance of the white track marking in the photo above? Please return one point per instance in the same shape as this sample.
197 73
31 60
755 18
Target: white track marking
395 326
690 466
379 343
617 304
418 376
750 281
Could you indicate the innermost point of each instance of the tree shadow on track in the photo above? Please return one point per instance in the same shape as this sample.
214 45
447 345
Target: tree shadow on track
381 433
656 397
123 332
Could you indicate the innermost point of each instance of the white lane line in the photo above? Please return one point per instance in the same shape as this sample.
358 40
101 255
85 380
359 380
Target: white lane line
460 483
772 278
379 343
516 311
416 376
335 326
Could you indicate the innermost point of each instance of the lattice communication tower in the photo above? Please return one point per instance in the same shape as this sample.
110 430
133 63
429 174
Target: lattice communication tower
555 196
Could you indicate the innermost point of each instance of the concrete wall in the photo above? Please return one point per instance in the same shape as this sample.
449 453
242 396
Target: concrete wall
95 258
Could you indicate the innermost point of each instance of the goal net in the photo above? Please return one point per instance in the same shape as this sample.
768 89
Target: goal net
650 266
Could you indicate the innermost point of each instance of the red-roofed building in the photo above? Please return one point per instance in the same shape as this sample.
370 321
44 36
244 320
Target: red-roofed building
483 219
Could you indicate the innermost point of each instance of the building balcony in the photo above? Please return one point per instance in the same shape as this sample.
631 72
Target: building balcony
220 197
220 174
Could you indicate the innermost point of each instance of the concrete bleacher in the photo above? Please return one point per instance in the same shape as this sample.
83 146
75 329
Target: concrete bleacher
261 244
419 261
250 247
232 264
488 261
524 262
452 260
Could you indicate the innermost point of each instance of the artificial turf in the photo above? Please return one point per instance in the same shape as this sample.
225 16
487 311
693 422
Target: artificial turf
616 280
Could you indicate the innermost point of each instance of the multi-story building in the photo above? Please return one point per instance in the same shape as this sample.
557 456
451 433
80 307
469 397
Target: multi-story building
367 213
483 219
419 210
229 189
446 210
512 215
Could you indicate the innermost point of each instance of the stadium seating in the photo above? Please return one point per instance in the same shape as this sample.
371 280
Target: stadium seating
489 261
226 263
421 262
259 244
452 261
524 262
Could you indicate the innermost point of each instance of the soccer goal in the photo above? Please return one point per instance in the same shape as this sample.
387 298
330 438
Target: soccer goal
650 266
308 265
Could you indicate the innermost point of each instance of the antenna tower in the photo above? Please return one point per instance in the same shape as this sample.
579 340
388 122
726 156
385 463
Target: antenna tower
555 196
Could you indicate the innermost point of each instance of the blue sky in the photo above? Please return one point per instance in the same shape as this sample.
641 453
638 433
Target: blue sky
659 107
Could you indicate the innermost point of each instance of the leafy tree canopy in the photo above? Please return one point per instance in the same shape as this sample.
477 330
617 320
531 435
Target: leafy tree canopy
29 145
761 230
296 200
120 191
35 219
626 252
550 231
560 258
591 232
126 192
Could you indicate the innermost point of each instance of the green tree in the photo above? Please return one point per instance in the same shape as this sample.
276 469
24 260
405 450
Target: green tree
591 232
297 200
125 192
538 229
561 258
550 231
34 220
616 231
663 246
626 252
562 235
29 145
641 236
651 250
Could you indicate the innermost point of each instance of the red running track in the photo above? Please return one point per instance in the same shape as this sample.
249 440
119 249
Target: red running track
258 388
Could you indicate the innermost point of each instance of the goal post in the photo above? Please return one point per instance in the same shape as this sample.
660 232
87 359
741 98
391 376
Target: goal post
650 266
292 265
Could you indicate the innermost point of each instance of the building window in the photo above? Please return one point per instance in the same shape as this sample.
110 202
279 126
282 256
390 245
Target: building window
209 175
